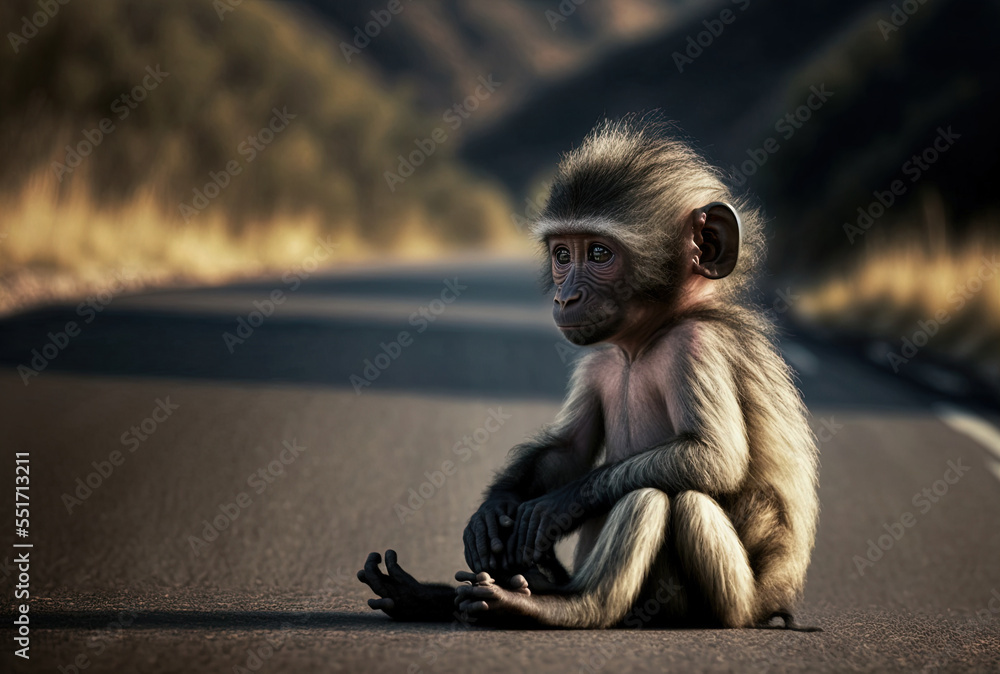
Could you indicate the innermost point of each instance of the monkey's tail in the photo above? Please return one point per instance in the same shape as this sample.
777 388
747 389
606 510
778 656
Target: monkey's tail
789 621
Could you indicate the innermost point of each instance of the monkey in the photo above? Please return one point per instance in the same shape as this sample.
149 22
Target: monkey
682 454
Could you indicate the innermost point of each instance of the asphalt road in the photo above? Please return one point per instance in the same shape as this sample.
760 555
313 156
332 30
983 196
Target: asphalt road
236 486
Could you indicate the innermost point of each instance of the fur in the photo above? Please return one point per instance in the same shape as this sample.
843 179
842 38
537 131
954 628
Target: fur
630 181
740 474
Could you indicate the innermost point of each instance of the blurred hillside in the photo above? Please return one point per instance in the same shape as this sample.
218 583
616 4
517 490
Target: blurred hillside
891 90
894 77
441 47
185 93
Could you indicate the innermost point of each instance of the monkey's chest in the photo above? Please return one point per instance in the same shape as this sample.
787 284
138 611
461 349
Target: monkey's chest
635 414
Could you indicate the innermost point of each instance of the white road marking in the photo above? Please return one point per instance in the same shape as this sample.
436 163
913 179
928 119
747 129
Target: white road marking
801 358
980 430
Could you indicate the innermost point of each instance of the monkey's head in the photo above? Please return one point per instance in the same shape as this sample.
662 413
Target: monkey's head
636 227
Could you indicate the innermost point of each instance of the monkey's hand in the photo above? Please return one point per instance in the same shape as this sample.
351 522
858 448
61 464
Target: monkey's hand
401 596
541 522
483 538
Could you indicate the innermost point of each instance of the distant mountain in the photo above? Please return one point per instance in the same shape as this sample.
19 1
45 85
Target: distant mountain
710 84
895 79
729 73
443 46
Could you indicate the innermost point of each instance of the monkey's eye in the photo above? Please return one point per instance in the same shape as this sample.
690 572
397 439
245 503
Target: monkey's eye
561 255
599 254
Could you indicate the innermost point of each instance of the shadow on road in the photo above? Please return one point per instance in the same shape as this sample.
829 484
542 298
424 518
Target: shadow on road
175 619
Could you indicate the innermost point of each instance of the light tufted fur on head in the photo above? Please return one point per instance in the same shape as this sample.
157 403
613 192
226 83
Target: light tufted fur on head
634 183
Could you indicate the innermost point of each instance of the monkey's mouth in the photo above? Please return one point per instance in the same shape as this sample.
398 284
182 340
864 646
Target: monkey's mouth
580 326
586 333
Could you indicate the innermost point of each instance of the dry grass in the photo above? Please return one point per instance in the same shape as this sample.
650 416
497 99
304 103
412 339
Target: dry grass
119 209
59 246
898 288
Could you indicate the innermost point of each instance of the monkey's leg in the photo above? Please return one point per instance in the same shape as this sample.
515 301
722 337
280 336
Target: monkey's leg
606 586
713 558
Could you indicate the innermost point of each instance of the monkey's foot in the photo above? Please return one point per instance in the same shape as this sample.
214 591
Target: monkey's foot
484 596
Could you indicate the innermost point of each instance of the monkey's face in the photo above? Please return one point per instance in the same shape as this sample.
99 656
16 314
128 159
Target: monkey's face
592 294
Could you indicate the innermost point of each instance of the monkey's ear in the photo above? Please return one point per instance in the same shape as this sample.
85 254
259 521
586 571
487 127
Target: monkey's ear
717 236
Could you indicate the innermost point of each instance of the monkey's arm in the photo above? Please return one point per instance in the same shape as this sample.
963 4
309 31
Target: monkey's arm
708 453
563 452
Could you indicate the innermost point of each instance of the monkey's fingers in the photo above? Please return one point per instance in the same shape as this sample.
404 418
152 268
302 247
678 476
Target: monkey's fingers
373 575
511 550
471 554
396 572
482 543
382 604
531 535
506 521
466 577
543 539
480 591
519 584
496 543
493 531
523 520
473 606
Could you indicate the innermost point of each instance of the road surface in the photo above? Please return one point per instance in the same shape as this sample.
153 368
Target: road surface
203 491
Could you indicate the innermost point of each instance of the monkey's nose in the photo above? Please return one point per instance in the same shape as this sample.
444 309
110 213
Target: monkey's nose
562 299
